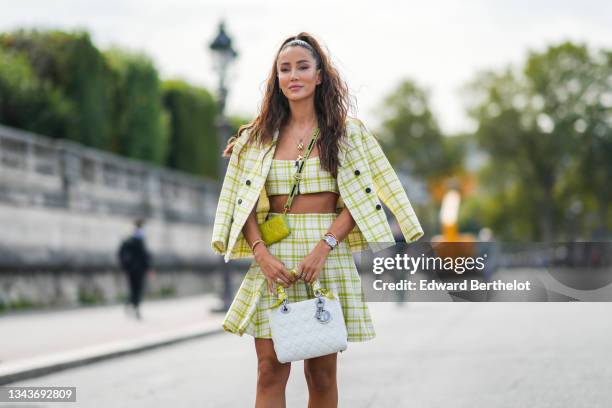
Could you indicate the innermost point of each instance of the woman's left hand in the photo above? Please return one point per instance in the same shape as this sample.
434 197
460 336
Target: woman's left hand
310 267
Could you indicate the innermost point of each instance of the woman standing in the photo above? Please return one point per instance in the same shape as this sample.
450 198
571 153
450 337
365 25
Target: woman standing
336 212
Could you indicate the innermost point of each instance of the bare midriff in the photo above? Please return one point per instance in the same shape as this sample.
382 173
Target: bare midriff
319 203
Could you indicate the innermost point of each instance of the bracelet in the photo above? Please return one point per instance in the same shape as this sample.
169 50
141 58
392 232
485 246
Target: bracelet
257 241
331 234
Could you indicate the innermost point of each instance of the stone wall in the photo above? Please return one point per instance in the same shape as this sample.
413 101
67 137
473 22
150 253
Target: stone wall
65 208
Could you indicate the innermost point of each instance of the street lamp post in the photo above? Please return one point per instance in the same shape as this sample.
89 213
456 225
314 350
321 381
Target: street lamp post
222 55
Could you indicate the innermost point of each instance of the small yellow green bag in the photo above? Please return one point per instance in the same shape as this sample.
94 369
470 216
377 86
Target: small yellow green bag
275 229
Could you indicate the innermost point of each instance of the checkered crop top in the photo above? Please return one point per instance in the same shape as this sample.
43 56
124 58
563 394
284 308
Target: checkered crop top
314 178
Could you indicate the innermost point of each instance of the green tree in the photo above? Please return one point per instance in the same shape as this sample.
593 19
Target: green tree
28 103
411 135
538 126
72 64
593 129
140 123
193 145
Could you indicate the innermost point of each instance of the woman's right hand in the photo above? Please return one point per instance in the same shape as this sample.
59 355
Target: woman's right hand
273 269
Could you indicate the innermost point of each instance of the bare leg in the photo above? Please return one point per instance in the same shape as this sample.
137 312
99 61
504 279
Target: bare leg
272 376
320 375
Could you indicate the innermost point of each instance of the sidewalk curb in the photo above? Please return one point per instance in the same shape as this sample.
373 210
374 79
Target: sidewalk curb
39 366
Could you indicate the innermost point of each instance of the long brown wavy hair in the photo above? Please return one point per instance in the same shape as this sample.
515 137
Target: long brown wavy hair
332 104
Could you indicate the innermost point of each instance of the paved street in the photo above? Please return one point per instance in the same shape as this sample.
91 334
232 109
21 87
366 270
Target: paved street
38 334
425 355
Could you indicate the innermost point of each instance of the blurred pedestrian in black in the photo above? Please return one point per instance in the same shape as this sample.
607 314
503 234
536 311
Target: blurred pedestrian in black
135 260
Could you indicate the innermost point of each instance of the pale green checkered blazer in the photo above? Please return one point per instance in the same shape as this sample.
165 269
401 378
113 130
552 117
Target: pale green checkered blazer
365 179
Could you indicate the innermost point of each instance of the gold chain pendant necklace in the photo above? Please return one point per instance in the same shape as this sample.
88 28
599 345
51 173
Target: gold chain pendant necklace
300 146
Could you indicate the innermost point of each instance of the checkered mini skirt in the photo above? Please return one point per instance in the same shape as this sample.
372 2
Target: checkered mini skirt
248 312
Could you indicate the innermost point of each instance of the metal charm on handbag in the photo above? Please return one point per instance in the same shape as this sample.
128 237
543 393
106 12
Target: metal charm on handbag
277 227
307 329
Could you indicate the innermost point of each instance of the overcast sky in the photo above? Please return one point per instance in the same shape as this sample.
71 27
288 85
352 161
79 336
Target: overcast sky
441 43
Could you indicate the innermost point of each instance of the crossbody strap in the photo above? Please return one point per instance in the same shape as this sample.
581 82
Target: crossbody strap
298 174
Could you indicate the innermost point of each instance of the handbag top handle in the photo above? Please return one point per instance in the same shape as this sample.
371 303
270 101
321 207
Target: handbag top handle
316 287
298 174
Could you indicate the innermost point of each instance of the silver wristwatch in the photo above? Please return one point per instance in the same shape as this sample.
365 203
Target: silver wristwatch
331 241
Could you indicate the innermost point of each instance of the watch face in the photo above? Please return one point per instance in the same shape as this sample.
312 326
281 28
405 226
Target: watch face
330 241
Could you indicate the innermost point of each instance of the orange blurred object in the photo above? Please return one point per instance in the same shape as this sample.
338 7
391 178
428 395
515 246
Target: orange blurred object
451 243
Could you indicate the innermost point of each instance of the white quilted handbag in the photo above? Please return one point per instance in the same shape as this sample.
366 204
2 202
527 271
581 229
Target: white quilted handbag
307 329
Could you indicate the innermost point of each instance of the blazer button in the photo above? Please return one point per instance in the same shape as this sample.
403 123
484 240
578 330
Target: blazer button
240 201
368 189
248 182
378 206
357 172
